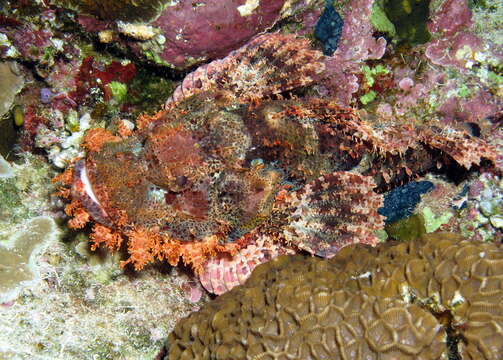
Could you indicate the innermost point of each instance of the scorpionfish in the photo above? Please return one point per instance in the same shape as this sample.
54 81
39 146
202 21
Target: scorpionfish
232 161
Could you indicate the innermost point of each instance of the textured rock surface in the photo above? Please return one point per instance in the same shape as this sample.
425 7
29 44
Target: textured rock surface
18 254
433 298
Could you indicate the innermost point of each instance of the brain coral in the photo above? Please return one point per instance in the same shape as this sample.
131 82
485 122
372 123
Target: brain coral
438 297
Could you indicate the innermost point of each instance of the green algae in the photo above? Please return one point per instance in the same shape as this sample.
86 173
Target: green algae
403 20
369 77
407 229
380 21
417 225
119 91
25 193
432 221
148 91
370 73
368 97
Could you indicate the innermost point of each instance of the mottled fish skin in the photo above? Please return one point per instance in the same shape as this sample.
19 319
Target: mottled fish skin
223 272
225 160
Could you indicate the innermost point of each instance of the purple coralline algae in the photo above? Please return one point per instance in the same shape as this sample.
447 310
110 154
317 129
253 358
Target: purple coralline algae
212 28
186 33
356 45
453 44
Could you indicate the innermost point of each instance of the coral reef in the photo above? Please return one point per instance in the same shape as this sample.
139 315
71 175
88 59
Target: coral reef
194 34
25 194
355 46
180 34
18 254
118 9
306 118
484 210
454 45
12 82
60 299
84 307
61 137
459 57
431 298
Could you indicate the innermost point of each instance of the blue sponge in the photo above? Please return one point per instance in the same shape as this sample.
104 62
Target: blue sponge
329 28
401 202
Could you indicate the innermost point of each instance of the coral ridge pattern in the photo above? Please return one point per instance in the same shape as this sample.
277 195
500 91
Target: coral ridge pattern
438 297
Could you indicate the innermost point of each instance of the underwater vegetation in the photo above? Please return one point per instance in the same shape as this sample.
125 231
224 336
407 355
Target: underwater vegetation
409 19
436 297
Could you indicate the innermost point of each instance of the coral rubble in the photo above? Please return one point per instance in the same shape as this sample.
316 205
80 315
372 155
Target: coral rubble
484 210
25 194
85 307
431 298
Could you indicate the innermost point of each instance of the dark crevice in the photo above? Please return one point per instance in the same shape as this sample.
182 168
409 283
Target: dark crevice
446 320
454 337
